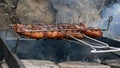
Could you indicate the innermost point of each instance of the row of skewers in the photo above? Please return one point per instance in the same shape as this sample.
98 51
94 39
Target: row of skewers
39 31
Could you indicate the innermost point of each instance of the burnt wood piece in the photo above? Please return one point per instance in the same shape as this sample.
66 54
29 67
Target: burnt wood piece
11 58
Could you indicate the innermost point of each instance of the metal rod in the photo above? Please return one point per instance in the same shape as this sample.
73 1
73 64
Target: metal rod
104 51
109 21
88 43
16 46
20 39
83 43
106 45
112 49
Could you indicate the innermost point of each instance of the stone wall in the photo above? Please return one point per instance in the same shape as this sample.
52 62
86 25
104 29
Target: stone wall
58 11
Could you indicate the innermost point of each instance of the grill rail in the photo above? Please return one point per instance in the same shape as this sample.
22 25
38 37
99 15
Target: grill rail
11 58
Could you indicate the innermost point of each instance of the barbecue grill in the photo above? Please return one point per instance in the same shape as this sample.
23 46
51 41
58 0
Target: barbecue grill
95 45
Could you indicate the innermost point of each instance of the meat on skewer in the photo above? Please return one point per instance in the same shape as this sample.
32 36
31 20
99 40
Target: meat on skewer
39 31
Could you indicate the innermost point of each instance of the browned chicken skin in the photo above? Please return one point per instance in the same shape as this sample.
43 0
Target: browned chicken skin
39 31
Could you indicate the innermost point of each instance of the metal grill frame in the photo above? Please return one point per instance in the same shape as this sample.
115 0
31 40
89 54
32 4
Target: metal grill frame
11 58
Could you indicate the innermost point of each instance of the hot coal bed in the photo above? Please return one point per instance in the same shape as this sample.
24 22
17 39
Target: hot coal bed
59 50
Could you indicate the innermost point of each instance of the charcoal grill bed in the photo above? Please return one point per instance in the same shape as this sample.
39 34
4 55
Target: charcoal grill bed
14 62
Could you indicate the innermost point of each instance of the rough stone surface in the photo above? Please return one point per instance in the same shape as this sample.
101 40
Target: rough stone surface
39 64
3 65
114 63
59 11
4 18
78 64
35 11
75 11
62 11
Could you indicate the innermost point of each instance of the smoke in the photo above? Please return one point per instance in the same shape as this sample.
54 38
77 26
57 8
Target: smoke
112 10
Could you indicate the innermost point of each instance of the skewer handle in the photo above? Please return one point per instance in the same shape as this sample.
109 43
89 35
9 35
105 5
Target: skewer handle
109 21
105 51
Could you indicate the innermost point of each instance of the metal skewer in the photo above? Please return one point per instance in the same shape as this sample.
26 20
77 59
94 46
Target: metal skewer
94 48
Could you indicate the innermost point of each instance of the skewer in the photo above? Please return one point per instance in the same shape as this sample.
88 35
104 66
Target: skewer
92 46
105 51
50 30
104 45
57 26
